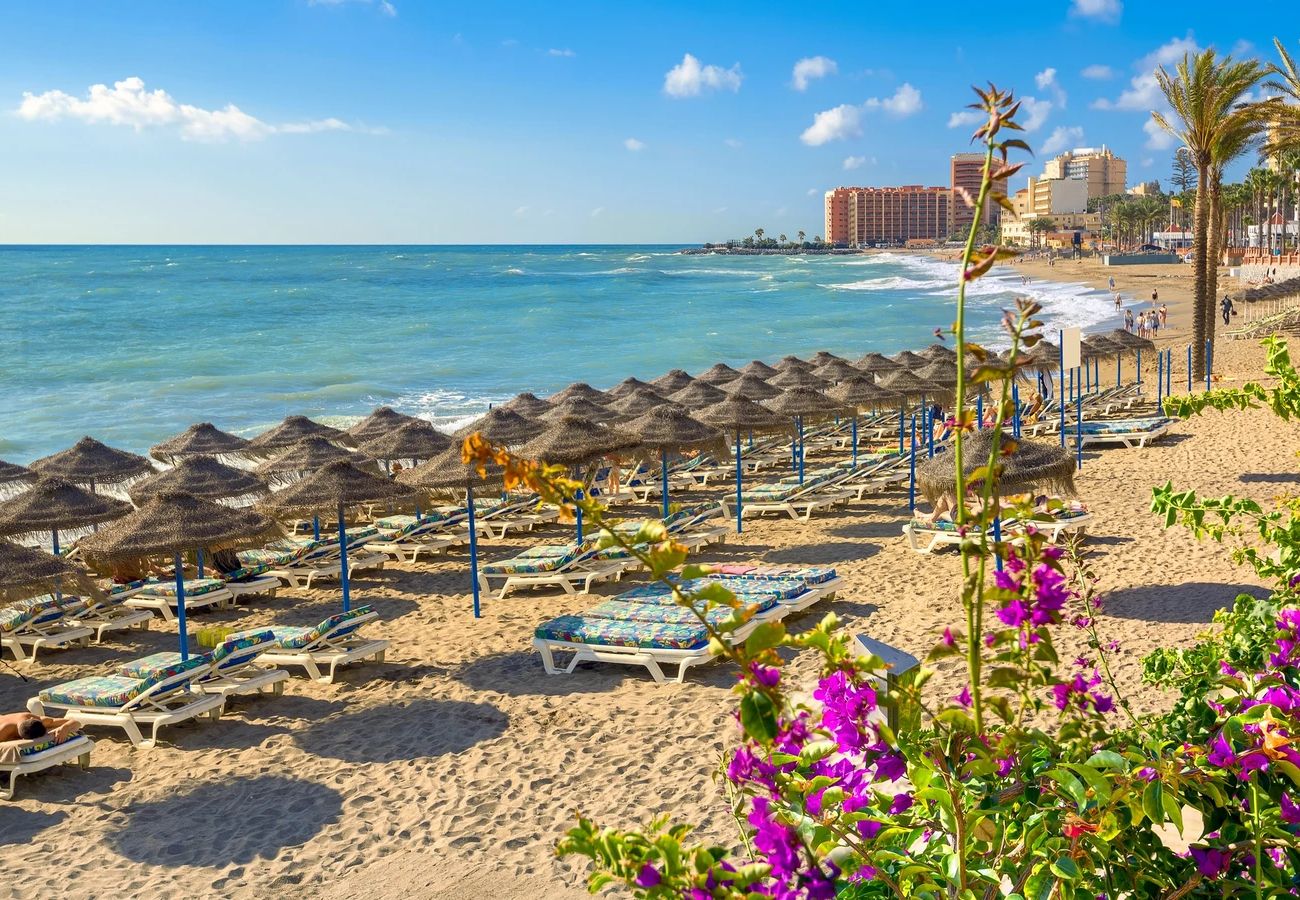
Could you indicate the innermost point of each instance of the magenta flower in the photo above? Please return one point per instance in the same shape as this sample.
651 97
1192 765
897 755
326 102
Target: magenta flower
764 676
964 698
648 877
1221 753
948 639
1146 773
1006 764
1211 863
901 804
1290 809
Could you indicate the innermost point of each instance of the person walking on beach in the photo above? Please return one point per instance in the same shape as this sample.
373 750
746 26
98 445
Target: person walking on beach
1153 324
1119 301
1112 282
1226 305
1164 316
1128 320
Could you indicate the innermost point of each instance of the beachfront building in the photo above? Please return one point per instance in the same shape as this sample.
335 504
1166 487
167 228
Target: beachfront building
864 216
1146 189
966 171
1061 201
1102 171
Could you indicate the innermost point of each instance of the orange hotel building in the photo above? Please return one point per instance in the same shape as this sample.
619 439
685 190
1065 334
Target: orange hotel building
869 215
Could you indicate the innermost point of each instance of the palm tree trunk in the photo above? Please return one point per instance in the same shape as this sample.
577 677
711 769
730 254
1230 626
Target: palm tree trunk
1215 255
1204 303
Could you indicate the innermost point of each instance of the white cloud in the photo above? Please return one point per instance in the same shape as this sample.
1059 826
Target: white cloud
690 78
1101 10
1148 162
1035 112
1143 93
521 211
1241 47
965 117
905 102
837 123
733 143
557 52
811 68
1063 137
598 212
1157 137
1046 81
383 6
719 210
813 192
1098 72
634 145
854 162
128 103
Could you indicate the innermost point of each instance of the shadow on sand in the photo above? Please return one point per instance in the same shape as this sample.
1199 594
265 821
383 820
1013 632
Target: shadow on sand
1192 603
401 731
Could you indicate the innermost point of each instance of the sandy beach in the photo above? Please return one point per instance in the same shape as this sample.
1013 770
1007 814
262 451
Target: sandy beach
405 776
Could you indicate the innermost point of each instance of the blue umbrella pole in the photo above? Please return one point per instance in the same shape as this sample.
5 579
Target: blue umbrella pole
1119 369
929 432
911 471
315 528
1160 378
1139 365
473 548
1096 374
855 439
663 473
979 412
578 496
902 421
1015 409
997 539
1061 343
343 562
54 541
800 420
198 557
1169 371
740 477
180 608
1078 435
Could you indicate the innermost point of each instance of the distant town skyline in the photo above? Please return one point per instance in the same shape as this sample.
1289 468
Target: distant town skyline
392 121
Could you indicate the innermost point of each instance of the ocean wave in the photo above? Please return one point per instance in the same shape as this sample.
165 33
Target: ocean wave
514 271
888 283
638 257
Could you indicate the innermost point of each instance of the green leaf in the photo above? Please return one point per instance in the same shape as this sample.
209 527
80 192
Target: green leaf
1096 781
1153 803
764 637
1066 868
758 716
1071 785
1108 759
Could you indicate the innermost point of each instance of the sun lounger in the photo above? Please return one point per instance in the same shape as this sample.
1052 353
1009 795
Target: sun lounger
404 538
19 758
926 537
566 566
332 643
109 613
1128 432
164 698
200 593
799 502
688 525
232 665
28 626
645 627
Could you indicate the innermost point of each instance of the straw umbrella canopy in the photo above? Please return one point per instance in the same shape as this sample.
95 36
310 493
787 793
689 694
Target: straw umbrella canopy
88 462
582 408
671 383
1043 356
1032 465
448 470
798 378
308 455
941 372
582 390
639 401
861 391
528 405
875 363
1102 344
1125 339
383 420
909 360
837 370
202 439
573 440
336 486
173 523
668 429
53 505
824 357
759 369
750 387
736 414
26 572
503 426
416 439
203 477
698 395
295 429
718 374
800 403
14 479
908 385
938 351
793 362
627 385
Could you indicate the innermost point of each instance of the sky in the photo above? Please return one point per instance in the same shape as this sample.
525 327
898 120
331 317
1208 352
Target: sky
412 121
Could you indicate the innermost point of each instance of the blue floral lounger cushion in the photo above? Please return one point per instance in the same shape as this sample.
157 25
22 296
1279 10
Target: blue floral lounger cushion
624 633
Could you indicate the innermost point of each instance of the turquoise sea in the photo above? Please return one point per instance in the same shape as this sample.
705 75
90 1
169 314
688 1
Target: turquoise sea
133 344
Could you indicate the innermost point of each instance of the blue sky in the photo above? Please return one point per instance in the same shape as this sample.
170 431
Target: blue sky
376 121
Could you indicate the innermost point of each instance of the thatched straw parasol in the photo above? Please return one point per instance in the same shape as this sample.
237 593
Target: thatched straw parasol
295 429
448 471
836 370
1044 356
172 524
573 440
584 409
751 387
383 420
908 385
581 390
335 487
1102 344
798 378
738 415
671 383
203 477
639 401
308 455
26 572
718 375
417 439
698 395
788 363
53 505
758 369
88 462
502 426
1032 464
941 372
668 429
802 404
14 479
628 385
909 360
1126 339
862 392
875 363
824 357
530 406
203 439
939 351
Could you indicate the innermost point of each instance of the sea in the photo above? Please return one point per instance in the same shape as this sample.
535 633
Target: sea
132 344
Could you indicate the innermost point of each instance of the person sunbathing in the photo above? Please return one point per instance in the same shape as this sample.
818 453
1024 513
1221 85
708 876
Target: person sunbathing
27 727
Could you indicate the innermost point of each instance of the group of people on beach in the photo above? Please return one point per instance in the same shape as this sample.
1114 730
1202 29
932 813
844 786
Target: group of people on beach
1147 323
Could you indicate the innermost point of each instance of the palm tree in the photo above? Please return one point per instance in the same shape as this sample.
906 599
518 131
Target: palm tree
1231 142
781 240
1206 96
758 235
800 235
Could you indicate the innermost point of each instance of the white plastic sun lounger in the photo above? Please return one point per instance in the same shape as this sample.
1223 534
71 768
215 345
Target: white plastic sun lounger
20 758
564 566
232 666
40 624
164 698
333 643
798 504
1115 432
109 614
200 593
